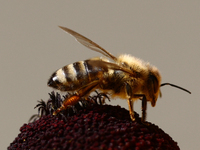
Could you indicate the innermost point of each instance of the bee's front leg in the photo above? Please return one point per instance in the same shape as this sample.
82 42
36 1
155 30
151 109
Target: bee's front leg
144 107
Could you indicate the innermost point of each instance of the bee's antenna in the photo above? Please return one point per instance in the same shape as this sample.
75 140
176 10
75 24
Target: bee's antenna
176 87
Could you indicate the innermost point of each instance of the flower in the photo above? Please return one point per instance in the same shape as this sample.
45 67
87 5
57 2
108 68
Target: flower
89 125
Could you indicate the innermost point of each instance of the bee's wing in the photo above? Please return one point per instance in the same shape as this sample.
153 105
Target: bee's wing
109 65
88 43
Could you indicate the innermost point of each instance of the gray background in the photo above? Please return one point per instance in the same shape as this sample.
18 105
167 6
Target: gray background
164 33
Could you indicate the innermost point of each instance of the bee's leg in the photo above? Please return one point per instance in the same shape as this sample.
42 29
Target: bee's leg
130 102
67 102
131 112
144 107
87 88
76 97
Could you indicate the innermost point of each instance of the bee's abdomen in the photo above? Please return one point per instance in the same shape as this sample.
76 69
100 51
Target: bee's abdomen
79 74
74 72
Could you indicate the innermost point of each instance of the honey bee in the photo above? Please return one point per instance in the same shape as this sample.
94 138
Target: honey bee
125 77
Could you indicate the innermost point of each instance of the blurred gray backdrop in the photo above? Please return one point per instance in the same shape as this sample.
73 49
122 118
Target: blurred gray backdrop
164 33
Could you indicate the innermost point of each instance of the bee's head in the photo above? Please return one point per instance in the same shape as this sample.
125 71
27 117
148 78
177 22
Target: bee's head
57 81
153 85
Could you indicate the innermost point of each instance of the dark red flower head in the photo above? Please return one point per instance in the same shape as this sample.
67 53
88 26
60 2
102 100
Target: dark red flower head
90 126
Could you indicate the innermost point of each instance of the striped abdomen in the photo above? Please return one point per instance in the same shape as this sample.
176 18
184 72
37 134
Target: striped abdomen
78 74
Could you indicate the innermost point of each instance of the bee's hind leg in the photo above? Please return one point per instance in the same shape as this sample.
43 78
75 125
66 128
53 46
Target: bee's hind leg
76 97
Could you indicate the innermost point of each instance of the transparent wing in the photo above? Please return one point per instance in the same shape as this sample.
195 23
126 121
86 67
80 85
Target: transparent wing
109 65
88 43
